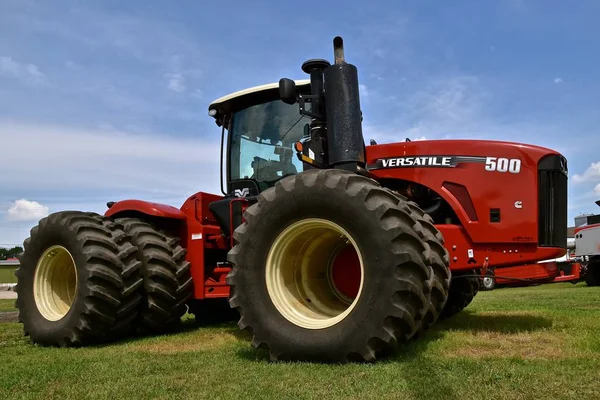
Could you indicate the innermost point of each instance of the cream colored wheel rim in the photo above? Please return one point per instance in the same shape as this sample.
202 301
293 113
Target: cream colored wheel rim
298 274
55 283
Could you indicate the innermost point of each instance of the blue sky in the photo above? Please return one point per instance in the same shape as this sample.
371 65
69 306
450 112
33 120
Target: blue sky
103 100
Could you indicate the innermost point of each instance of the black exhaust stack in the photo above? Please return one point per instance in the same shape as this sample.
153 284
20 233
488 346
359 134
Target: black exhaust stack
342 103
336 115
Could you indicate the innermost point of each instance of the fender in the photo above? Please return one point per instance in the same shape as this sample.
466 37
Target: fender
144 207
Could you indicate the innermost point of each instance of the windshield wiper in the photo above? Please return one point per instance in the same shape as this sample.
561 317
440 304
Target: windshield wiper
291 127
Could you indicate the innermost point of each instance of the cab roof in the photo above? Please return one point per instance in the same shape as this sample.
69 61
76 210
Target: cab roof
248 97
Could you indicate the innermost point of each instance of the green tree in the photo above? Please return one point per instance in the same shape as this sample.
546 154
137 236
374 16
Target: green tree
10 253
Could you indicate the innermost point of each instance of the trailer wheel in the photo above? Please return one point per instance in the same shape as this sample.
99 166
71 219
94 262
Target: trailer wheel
462 292
282 281
78 281
166 273
489 281
592 274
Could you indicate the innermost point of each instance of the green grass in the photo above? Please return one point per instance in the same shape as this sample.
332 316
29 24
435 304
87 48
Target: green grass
517 343
7 305
7 274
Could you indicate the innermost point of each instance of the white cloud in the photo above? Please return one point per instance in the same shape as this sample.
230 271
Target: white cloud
363 90
198 94
27 210
597 189
34 71
66 160
558 80
452 100
442 105
73 65
175 82
592 173
8 66
26 72
78 169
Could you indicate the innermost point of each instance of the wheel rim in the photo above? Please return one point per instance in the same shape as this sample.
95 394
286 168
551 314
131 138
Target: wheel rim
487 282
299 274
55 283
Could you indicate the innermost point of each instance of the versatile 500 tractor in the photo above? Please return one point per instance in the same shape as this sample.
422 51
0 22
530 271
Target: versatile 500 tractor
327 248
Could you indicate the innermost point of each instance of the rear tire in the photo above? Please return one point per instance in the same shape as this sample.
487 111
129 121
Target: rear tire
461 294
282 295
166 273
78 281
592 274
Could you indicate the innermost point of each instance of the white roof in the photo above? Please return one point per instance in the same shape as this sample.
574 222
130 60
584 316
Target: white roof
254 90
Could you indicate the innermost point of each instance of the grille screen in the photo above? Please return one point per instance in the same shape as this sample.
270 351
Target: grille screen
552 202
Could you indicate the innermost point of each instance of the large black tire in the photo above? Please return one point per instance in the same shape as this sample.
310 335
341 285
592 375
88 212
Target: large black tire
439 265
166 273
592 274
100 280
462 292
396 257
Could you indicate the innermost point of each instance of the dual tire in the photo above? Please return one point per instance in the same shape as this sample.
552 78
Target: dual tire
84 279
280 280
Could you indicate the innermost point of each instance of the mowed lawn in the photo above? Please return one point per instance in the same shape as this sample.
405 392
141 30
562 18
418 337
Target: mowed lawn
516 343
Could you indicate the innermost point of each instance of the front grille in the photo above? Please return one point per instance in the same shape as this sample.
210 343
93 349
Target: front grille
552 201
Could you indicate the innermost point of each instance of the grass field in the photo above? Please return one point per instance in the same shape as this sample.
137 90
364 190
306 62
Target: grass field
7 274
518 343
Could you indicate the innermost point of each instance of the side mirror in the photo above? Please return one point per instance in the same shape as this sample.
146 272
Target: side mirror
287 91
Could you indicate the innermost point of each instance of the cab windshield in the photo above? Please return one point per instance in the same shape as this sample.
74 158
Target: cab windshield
262 142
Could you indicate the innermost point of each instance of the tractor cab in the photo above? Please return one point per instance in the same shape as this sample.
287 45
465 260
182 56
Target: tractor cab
262 131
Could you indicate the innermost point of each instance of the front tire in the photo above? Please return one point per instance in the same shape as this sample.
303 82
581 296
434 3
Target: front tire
441 274
280 278
462 292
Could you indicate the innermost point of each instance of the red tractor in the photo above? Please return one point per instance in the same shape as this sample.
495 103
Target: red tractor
327 248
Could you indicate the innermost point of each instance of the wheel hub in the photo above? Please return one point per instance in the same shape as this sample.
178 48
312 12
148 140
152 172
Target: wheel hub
55 283
304 273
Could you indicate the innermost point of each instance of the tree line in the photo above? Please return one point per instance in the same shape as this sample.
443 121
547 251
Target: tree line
10 253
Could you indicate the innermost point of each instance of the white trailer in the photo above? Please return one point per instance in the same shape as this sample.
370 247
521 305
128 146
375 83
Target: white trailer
587 248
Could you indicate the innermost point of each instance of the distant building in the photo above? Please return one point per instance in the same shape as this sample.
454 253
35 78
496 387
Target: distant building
7 270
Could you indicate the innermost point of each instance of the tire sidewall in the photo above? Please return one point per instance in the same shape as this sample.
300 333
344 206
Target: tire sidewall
43 330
